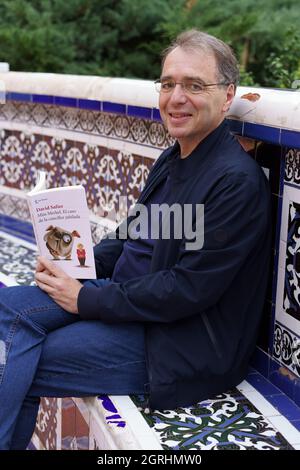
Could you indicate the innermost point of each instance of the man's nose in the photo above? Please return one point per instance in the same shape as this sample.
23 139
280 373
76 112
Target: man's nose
178 95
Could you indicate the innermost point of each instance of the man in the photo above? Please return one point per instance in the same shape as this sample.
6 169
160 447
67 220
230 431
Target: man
173 321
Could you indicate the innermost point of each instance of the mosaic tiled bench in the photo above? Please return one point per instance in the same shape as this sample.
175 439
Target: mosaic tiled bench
228 421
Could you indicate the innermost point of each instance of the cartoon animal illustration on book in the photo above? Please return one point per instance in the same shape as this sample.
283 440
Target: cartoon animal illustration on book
59 242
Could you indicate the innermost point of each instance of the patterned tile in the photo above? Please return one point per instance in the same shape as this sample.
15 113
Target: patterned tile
68 428
227 422
81 429
287 326
292 167
17 262
108 124
106 174
287 348
47 423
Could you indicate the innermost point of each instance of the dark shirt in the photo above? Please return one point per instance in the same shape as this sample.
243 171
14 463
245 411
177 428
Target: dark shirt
136 256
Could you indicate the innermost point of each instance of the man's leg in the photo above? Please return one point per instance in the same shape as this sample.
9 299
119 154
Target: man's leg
27 315
83 359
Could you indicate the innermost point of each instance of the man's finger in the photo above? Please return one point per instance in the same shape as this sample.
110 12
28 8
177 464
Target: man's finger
55 270
39 266
48 279
45 287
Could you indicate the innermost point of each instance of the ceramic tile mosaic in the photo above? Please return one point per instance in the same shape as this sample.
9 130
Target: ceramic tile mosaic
292 167
47 429
68 429
84 141
106 174
17 261
137 130
287 348
81 429
287 327
227 422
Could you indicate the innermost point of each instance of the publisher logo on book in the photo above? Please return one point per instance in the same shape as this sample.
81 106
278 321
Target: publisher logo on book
37 201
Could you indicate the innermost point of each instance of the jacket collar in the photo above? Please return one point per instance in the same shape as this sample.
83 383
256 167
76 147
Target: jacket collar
181 169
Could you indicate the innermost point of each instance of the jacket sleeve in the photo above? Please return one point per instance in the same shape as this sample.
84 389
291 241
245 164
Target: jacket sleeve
236 218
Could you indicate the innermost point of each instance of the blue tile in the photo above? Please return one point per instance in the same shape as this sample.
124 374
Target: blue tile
296 423
18 96
296 396
285 406
260 361
45 99
290 138
92 105
156 115
117 108
282 175
16 227
283 382
139 111
263 385
271 337
236 127
260 132
31 446
65 101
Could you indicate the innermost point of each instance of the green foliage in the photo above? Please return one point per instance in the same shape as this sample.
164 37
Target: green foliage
28 39
264 35
246 78
125 37
106 37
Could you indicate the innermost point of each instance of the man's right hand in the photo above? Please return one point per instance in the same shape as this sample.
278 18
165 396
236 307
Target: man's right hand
40 268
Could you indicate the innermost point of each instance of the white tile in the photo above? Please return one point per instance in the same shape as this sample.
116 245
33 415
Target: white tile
282 255
245 387
140 429
280 313
7 281
279 294
263 405
123 402
145 150
19 193
291 434
284 216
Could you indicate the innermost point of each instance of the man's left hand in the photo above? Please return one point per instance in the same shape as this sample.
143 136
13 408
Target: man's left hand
62 288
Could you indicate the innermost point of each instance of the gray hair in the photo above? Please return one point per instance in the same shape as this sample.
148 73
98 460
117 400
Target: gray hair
194 40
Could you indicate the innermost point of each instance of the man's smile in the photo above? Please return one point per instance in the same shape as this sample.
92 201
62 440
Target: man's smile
179 117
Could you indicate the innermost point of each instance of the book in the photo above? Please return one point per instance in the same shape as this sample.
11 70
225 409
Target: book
60 219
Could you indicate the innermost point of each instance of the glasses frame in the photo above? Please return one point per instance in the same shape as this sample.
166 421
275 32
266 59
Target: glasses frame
158 82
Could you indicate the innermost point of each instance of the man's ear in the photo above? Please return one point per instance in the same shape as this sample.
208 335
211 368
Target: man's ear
230 93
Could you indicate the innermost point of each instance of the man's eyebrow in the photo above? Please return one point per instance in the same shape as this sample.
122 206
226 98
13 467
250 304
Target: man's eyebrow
186 77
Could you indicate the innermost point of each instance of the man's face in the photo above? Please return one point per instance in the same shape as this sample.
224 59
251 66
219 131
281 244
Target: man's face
191 117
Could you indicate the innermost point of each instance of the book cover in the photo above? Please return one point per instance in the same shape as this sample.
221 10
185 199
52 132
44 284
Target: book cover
60 218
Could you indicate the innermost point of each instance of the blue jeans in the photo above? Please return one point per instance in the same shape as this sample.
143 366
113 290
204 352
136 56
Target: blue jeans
48 352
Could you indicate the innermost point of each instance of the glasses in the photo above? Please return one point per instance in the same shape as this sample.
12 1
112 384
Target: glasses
188 85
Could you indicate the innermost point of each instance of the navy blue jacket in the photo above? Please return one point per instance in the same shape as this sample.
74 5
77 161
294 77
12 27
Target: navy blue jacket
201 309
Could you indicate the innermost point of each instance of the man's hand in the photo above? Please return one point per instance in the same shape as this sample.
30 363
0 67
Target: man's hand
62 288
